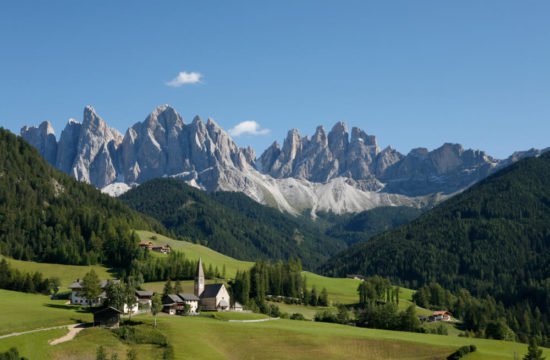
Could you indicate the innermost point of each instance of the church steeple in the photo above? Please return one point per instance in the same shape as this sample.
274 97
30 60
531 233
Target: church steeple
199 279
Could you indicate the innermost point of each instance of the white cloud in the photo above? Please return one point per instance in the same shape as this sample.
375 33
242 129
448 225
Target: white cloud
184 78
248 128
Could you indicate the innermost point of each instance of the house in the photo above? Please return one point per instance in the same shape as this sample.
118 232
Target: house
77 298
146 245
192 300
213 297
170 303
164 249
355 277
107 317
237 307
144 299
441 315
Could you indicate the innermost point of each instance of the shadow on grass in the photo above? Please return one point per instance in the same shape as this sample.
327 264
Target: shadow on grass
68 307
131 322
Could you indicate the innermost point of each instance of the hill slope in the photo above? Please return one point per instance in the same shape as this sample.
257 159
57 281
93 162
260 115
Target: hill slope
231 223
366 224
46 215
493 239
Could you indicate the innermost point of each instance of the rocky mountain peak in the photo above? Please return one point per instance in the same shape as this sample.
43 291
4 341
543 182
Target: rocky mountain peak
43 139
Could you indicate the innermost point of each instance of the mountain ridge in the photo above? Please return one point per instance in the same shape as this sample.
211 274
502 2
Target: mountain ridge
334 171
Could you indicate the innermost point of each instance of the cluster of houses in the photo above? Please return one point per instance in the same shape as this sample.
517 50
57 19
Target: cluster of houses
211 297
163 249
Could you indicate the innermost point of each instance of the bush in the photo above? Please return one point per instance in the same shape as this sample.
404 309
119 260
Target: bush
297 316
461 352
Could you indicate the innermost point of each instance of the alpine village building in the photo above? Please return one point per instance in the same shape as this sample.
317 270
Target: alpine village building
212 297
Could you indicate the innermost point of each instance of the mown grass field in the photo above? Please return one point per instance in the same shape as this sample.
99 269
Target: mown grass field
83 347
287 339
66 273
201 337
23 311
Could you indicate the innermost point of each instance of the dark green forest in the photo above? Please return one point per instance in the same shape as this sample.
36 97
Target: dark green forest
364 225
231 223
493 239
48 216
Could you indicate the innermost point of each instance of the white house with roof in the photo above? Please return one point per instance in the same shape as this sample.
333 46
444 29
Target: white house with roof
78 298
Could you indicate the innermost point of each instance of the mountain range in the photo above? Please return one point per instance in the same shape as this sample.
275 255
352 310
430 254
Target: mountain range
329 171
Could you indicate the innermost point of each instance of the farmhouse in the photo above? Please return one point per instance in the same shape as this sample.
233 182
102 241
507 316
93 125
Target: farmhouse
440 316
77 298
144 298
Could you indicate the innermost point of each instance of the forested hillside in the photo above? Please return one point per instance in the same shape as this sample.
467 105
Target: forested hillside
231 223
364 225
46 215
493 239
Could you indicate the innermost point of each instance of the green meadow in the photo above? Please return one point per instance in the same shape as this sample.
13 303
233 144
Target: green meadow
66 273
24 311
206 337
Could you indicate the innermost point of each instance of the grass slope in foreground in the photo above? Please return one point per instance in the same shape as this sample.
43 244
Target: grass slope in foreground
22 312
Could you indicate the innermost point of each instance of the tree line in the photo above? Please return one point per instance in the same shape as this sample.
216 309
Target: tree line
13 279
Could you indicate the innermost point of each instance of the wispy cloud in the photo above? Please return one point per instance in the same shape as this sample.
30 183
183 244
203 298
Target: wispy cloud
248 128
185 78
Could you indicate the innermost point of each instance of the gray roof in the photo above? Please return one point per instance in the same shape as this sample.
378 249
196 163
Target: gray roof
144 293
211 290
189 297
171 297
78 283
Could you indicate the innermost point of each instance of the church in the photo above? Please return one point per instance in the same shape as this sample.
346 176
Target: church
212 297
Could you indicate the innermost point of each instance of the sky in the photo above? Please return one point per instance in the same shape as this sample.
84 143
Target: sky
413 73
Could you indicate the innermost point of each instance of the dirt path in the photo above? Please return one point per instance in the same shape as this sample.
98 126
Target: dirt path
76 328
254 321
32 331
73 330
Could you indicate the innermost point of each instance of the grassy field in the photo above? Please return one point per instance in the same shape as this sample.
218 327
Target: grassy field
201 337
308 311
83 347
194 251
30 311
226 316
66 273
287 339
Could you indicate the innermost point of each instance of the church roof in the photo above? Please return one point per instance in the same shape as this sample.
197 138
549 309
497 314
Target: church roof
211 290
200 271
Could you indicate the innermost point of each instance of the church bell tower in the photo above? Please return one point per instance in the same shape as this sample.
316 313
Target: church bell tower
199 279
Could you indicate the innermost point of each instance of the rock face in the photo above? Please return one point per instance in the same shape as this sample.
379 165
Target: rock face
43 139
445 170
335 171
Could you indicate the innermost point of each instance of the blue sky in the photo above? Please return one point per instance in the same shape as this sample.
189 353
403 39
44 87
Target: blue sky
413 73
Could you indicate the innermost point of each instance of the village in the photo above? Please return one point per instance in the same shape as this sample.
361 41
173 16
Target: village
205 297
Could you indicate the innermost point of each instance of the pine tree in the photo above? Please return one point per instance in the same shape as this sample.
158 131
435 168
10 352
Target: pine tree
533 351
168 289
178 288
